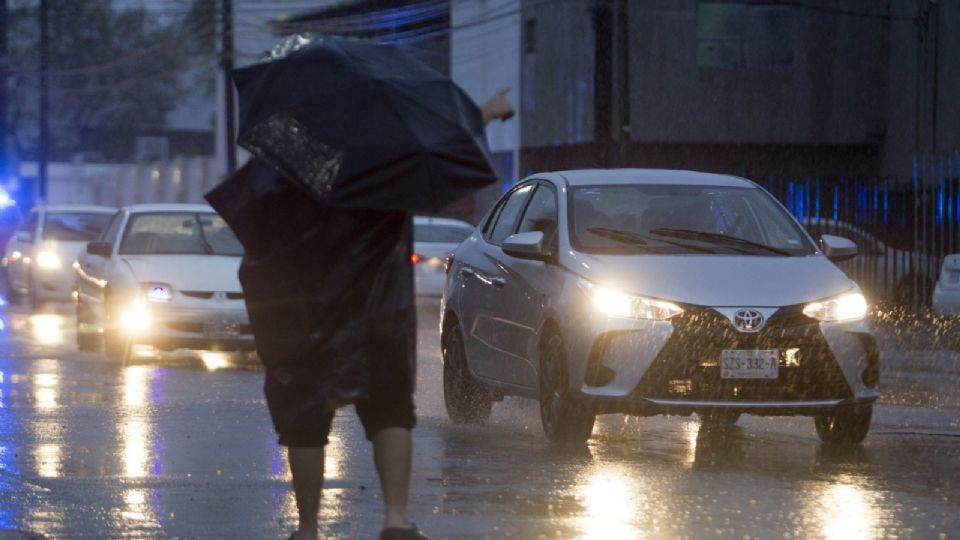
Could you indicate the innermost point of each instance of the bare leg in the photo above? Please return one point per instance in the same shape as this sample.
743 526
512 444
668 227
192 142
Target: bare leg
392 454
306 467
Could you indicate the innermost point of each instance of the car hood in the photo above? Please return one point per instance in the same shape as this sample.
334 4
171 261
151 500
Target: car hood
717 280
187 272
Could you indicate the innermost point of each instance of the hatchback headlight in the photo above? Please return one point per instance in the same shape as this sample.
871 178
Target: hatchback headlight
49 260
845 307
617 304
157 292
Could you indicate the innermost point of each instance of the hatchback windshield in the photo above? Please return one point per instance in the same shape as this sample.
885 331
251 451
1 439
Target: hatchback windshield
682 219
179 234
74 226
445 234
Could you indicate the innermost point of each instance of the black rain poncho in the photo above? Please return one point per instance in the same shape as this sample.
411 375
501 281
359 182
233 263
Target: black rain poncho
325 288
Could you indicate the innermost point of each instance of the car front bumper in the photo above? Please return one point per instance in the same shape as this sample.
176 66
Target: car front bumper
171 328
673 367
52 285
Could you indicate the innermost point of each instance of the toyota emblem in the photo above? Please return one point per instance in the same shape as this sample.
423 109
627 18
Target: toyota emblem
748 320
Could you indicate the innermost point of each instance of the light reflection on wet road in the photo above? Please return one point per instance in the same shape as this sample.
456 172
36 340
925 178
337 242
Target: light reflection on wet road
183 448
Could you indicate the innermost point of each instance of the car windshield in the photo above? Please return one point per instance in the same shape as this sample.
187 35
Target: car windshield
179 234
668 219
445 234
74 226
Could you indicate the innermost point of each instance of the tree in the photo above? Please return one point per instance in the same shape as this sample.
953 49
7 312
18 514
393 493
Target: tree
108 68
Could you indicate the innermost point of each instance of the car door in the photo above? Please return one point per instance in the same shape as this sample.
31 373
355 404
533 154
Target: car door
482 320
528 286
93 270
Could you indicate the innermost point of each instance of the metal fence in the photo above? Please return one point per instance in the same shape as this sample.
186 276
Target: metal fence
903 227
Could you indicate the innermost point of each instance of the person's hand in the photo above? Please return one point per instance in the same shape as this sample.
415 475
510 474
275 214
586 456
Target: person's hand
497 107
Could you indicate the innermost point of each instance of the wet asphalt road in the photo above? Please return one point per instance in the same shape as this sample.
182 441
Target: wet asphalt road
174 448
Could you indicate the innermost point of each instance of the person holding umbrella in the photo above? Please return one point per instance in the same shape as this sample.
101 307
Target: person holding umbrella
349 138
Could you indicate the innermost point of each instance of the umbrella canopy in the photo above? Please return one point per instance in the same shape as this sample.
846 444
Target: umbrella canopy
359 124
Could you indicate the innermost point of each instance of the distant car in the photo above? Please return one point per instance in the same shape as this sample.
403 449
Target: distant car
163 275
946 293
9 221
39 256
655 292
433 240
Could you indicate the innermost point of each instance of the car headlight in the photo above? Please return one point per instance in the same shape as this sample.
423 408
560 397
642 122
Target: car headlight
49 260
617 304
157 292
135 318
845 307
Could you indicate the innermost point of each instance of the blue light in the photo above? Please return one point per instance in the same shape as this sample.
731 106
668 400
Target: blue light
159 293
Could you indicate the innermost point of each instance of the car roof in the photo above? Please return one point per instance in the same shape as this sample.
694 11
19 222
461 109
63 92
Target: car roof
596 177
87 208
430 220
168 207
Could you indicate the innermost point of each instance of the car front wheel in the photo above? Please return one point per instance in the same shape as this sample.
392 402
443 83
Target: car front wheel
116 343
844 426
564 419
467 401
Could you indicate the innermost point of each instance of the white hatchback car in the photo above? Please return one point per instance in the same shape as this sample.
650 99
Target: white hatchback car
433 240
655 292
163 275
39 256
946 293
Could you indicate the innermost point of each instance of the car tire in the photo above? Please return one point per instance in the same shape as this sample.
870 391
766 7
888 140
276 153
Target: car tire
86 341
116 344
844 426
466 400
35 301
13 295
565 419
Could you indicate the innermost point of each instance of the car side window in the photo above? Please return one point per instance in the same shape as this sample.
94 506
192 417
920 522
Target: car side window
113 229
541 215
506 219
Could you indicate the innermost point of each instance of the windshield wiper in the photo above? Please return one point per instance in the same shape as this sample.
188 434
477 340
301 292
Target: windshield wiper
619 235
717 238
637 239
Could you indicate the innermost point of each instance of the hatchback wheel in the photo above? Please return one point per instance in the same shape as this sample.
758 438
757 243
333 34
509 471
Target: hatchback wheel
86 341
565 420
844 426
467 401
116 343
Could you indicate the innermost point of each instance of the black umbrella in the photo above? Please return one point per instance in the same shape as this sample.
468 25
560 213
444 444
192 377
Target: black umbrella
360 124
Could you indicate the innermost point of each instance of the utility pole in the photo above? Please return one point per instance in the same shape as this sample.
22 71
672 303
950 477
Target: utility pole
226 33
44 142
603 74
4 154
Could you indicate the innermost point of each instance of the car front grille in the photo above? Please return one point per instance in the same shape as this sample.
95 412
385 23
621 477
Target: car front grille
207 295
198 327
688 366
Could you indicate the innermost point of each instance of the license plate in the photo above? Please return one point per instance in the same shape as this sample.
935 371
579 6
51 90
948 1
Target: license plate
749 364
221 330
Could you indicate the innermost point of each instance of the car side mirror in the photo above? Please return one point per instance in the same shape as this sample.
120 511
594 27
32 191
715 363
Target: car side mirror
101 249
526 245
838 248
